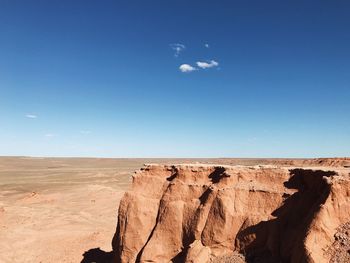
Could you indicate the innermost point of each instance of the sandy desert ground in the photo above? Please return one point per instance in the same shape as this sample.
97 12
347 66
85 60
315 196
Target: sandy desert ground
53 210
56 209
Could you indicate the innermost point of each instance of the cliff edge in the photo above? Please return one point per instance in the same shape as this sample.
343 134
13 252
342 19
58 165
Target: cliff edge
207 213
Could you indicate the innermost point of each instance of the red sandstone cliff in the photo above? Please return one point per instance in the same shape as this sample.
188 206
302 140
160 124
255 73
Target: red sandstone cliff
201 213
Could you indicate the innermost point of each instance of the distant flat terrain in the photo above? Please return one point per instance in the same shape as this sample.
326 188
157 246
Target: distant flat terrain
55 209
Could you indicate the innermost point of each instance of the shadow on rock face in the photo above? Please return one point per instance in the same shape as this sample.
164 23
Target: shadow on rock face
218 174
96 255
281 239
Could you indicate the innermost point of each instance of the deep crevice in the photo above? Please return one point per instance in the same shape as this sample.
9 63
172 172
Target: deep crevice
217 174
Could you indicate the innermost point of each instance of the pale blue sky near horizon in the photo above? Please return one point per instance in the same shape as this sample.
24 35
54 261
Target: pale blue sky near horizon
175 78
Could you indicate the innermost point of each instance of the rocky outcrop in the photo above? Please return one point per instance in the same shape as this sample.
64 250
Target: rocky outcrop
201 213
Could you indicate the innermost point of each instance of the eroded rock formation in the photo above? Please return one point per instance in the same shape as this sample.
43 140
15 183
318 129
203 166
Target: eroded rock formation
200 213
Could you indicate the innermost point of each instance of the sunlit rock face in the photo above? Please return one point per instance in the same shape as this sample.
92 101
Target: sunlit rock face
201 213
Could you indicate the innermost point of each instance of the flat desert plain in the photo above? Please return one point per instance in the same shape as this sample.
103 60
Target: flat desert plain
57 209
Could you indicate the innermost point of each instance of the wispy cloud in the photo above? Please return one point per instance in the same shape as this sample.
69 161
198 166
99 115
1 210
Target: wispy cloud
200 65
186 68
85 132
178 48
206 45
31 116
205 65
50 135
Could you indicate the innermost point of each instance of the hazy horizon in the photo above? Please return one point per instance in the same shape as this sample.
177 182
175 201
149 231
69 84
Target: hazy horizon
162 157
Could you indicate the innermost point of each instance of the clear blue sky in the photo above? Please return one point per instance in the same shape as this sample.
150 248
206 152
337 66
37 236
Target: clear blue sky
103 78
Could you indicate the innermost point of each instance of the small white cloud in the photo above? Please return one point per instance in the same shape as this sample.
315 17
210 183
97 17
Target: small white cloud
205 65
85 132
50 135
178 48
31 116
186 68
206 45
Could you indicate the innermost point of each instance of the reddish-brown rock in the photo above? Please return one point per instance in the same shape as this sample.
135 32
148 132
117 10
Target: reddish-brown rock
196 213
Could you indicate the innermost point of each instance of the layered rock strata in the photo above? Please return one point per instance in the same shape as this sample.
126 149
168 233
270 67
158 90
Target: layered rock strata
199 213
